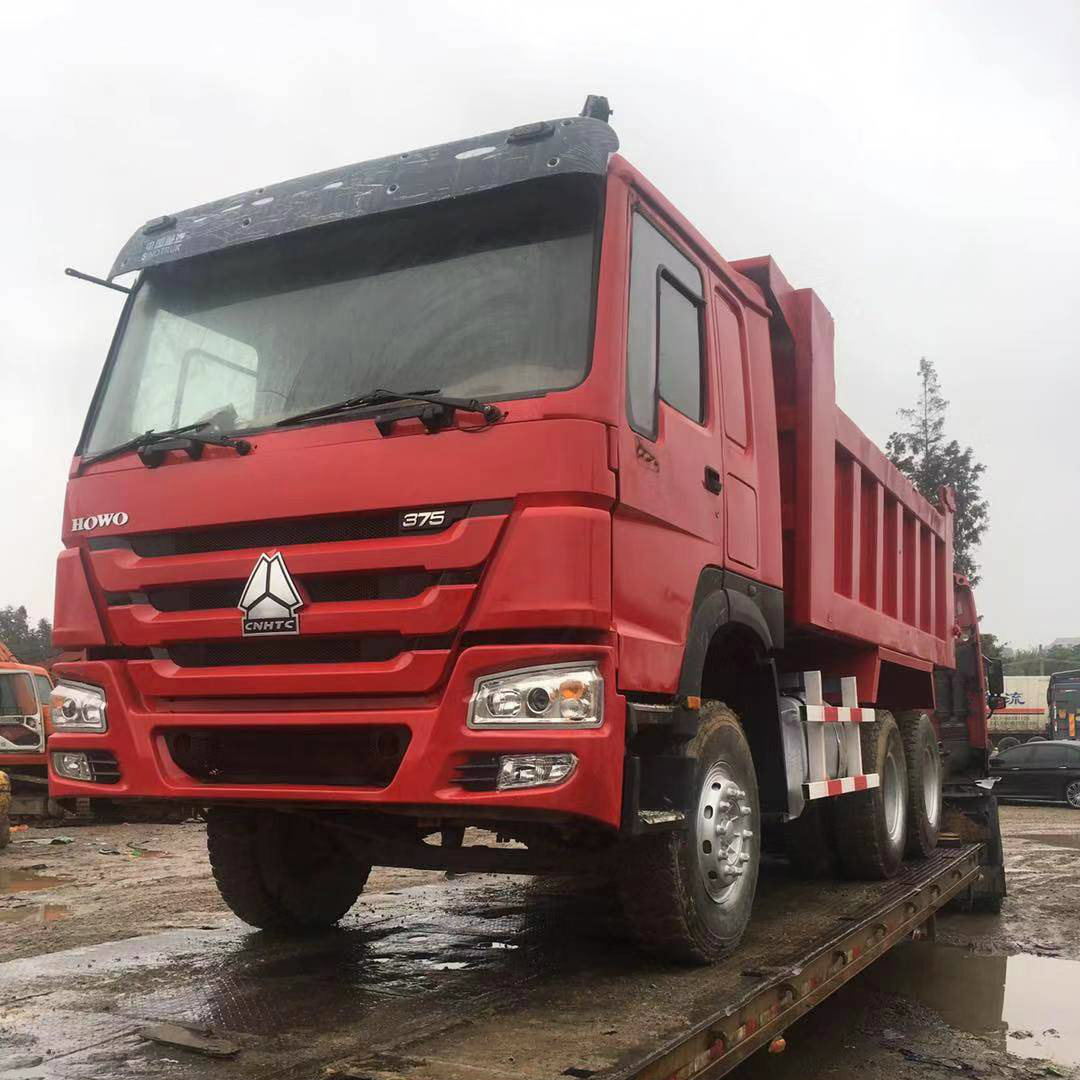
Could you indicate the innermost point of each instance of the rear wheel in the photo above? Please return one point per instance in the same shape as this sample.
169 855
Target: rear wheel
688 894
1072 794
1008 743
281 872
924 777
870 827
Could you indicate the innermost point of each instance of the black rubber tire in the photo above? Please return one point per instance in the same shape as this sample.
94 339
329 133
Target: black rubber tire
1037 738
808 841
1070 802
920 738
1007 743
667 907
281 872
5 831
864 847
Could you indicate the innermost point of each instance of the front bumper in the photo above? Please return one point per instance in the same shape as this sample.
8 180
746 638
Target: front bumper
425 780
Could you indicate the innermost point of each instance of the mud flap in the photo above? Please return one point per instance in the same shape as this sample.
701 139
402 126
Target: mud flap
970 815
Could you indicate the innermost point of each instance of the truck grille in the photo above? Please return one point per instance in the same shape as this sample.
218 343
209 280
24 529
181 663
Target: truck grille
287 533
366 756
320 589
300 650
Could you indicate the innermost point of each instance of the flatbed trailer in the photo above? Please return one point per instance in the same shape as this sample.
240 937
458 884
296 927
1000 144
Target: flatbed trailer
481 975
608 1014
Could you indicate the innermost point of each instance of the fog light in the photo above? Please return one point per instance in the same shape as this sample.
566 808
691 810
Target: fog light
534 770
72 765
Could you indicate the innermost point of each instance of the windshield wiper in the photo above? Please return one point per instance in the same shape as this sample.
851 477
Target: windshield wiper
489 412
154 445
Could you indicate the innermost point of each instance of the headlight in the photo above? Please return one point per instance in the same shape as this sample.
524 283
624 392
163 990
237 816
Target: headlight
559 696
78 707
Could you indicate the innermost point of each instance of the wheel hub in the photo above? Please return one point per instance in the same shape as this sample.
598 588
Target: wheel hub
723 832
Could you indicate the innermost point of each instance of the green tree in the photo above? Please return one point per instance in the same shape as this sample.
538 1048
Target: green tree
921 452
990 645
31 644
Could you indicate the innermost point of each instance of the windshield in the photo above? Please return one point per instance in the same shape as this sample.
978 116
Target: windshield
489 296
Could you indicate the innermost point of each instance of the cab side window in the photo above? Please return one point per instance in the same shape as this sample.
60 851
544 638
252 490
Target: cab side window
664 332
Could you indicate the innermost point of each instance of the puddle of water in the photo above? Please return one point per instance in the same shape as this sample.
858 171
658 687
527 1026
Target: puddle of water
17 881
1027 1001
34 913
1063 840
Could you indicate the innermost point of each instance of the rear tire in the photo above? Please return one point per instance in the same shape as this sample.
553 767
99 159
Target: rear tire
1007 743
281 872
687 895
924 776
870 827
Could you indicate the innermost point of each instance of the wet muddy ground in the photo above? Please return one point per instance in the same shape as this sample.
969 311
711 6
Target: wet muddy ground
122 928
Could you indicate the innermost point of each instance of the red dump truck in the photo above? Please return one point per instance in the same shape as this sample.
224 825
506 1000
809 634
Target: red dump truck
471 488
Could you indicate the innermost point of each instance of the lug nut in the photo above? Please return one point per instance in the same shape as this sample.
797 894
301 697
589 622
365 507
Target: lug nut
744 811
748 834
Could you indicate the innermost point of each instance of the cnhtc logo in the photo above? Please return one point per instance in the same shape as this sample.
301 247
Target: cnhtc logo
270 600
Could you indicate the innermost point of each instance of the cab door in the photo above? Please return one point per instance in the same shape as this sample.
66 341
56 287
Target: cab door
668 522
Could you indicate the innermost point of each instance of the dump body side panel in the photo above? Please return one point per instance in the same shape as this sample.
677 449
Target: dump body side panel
867 559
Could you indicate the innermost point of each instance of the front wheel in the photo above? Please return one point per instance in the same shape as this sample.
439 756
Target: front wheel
281 872
1072 794
687 895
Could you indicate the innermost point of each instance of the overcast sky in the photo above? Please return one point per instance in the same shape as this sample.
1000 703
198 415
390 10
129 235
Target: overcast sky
915 163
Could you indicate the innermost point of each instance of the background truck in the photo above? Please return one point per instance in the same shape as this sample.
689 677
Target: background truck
472 487
24 724
1022 712
1063 704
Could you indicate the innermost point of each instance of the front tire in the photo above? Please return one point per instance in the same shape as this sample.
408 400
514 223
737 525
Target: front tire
1072 794
688 894
924 775
870 827
281 872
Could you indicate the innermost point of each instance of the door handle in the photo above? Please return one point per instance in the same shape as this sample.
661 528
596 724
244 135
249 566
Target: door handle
712 480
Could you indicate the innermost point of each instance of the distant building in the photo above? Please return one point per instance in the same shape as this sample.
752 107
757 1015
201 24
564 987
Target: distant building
1064 643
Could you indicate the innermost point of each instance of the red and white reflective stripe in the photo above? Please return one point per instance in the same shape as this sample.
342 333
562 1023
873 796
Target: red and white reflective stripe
837 714
821 789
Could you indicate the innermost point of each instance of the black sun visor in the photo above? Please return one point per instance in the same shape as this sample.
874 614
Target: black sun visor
571 145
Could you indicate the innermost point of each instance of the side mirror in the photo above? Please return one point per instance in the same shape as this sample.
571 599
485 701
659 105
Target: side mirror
995 678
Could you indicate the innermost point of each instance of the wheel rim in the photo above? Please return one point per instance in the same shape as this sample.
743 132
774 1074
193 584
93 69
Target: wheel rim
723 834
892 795
931 772
1072 794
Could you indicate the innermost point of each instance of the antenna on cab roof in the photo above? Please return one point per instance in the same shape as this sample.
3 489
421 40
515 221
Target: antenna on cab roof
597 108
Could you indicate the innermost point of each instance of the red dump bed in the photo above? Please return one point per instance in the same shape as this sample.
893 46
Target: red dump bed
866 557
